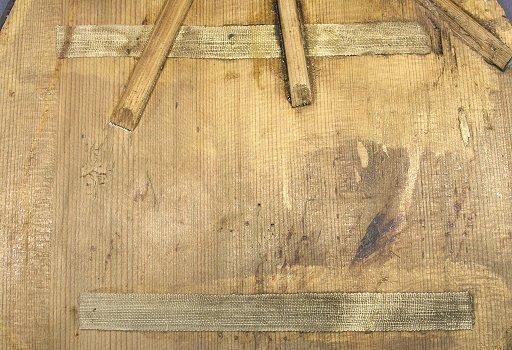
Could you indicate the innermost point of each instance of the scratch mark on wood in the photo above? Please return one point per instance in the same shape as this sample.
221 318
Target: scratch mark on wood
465 132
285 189
141 193
363 155
488 122
95 171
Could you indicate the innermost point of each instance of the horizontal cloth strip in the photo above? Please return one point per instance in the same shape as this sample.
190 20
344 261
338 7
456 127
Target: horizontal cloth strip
333 312
244 42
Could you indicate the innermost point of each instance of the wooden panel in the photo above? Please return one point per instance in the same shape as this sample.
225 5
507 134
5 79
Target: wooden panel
29 79
223 188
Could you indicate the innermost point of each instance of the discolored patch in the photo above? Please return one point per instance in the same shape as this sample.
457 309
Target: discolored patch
508 340
388 223
378 235
231 75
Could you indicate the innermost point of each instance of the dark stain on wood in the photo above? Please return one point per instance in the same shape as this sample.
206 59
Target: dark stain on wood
433 28
378 234
299 248
259 66
384 180
261 12
457 207
67 42
231 75
508 340
260 277
389 179
385 173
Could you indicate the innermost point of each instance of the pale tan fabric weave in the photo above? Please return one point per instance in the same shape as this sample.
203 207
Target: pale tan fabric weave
336 312
245 42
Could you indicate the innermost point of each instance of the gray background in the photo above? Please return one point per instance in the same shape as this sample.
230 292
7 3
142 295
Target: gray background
5 7
507 6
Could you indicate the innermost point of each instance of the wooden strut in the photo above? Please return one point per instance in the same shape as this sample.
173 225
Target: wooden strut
470 31
143 79
133 101
298 76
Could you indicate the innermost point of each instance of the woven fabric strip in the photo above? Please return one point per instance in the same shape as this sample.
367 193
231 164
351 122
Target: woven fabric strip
342 312
246 42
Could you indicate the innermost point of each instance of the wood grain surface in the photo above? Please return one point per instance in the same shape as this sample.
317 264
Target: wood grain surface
223 188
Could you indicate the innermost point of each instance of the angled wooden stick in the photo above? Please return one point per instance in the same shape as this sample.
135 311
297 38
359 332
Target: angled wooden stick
470 31
300 86
147 70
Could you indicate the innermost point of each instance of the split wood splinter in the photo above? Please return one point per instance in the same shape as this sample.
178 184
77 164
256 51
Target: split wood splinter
300 86
470 31
143 79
